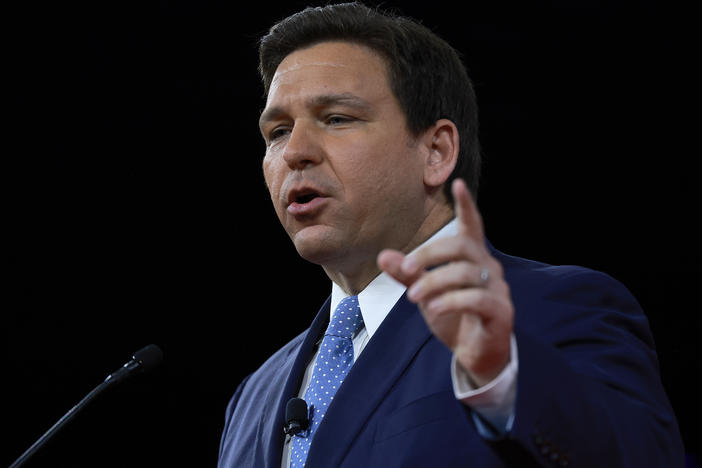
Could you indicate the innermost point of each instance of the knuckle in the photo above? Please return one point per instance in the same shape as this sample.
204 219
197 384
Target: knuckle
482 299
428 281
497 267
465 249
464 271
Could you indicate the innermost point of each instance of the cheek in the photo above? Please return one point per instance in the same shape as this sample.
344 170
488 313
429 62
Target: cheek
274 175
371 161
360 174
376 181
269 176
387 166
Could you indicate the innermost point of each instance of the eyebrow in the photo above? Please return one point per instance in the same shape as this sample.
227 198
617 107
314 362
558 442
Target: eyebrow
320 101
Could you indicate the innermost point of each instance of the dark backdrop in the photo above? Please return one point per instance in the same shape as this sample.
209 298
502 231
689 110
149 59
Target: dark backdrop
137 214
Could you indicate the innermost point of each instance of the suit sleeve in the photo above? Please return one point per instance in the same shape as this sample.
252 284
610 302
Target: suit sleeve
589 391
231 406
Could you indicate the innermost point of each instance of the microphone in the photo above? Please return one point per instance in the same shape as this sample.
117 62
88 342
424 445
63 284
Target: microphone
143 360
296 416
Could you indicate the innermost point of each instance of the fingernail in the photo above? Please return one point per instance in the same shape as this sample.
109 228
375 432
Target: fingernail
409 266
414 291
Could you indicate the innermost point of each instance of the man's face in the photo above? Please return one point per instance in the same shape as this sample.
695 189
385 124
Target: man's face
344 174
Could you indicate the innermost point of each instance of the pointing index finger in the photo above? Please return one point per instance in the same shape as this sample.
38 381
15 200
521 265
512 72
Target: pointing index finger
469 219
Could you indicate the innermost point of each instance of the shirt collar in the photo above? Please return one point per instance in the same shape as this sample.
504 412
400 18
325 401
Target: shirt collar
381 294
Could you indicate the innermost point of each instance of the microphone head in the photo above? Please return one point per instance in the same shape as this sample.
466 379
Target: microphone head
296 417
148 357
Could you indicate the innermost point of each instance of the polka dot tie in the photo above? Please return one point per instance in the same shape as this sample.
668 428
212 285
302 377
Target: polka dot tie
333 362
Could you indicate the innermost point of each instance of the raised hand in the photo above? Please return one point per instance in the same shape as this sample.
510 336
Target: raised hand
461 292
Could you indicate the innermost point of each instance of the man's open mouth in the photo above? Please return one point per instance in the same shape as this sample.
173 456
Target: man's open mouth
306 197
305 201
303 195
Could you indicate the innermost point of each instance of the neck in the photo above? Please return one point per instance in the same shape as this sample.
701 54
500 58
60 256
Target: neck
354 278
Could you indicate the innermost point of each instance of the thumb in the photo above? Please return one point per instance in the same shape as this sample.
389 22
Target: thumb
390 261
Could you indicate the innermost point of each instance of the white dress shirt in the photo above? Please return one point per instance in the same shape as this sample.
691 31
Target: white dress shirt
494 401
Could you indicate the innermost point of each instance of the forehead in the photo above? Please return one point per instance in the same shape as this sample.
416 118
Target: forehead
330 67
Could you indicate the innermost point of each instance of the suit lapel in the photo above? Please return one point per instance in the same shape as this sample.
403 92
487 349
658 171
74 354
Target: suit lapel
273 424
387 355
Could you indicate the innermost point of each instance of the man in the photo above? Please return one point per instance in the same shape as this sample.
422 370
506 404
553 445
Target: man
456 354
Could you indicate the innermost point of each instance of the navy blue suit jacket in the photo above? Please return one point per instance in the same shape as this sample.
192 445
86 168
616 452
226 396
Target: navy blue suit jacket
588 390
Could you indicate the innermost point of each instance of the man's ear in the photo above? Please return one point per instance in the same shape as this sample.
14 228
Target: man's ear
442 143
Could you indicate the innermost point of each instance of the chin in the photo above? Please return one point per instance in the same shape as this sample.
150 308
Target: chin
316 244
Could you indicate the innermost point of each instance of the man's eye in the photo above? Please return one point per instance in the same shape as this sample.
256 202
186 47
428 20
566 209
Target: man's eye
338 119
278 133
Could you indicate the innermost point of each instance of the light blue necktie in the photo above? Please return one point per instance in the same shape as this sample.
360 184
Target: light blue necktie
333 362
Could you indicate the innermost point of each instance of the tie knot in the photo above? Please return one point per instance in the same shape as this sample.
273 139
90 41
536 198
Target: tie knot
346 319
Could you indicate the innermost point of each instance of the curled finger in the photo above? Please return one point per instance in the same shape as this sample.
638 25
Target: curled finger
453 275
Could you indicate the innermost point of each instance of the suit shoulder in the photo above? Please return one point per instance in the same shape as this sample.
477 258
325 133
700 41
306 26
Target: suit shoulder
249 399
518 269
538 284
273 363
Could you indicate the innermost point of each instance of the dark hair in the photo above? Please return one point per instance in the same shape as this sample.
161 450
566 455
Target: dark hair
426 74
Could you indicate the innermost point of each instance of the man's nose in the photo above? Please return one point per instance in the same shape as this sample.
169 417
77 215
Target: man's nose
303 147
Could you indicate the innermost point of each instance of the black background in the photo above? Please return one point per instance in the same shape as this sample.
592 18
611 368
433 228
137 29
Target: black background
136 210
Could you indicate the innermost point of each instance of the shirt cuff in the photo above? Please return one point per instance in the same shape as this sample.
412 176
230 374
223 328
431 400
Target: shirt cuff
494 402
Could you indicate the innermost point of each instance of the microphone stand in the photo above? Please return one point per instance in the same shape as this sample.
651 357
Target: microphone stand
60 423
144 359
